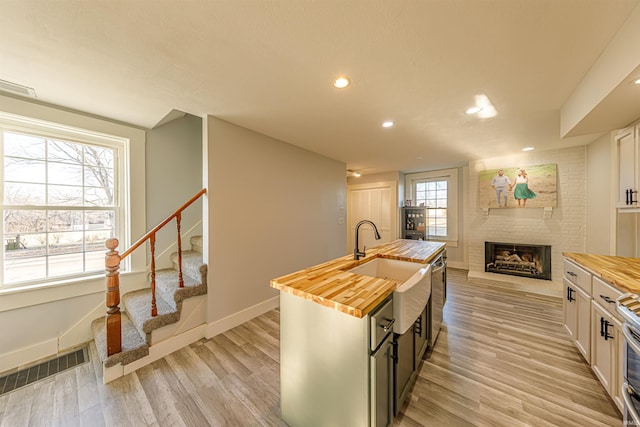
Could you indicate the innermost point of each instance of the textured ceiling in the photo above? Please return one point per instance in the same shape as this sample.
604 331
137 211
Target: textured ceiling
268 65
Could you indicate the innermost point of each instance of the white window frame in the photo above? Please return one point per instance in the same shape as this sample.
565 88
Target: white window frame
133 225
39 128
451 176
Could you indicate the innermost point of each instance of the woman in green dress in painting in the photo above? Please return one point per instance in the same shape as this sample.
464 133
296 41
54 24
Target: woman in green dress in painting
522 191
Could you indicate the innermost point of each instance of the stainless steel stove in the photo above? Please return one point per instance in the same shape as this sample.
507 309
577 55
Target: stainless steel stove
628 306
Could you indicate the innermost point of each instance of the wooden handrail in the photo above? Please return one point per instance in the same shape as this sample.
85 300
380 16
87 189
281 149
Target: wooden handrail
112 267
162 224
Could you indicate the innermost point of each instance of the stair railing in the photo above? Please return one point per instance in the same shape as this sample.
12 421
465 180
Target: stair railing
112 273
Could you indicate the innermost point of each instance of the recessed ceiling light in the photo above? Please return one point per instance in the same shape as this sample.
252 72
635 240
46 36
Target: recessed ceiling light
637 81
528 148
474 110
483 108
387 124
341 82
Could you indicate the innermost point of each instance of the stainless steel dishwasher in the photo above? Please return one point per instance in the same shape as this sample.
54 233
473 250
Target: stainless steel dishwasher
438 295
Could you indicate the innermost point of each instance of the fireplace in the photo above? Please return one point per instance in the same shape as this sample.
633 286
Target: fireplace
517 259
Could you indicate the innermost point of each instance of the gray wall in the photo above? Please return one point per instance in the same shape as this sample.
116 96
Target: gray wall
173 175
273 209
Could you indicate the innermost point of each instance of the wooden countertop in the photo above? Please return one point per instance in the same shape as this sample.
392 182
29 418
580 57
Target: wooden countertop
331 285
622 272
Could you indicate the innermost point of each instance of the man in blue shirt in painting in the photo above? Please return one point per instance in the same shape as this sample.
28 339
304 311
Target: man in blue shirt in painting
500 183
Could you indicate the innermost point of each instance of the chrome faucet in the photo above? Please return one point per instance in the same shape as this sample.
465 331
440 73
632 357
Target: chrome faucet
356 252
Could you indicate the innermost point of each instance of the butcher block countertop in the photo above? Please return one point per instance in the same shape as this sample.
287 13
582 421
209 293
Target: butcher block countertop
331 285
622 272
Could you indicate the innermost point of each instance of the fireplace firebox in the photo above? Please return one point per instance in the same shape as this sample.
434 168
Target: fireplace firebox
525 260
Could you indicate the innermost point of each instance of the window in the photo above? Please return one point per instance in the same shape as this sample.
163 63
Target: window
438 191
61 200
433 195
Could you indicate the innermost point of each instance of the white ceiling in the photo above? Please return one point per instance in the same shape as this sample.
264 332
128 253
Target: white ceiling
268 65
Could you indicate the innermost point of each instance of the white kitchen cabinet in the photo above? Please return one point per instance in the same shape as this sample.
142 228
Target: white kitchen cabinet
606 339
604 346
627 145
619 372
577 306
591 319
577 317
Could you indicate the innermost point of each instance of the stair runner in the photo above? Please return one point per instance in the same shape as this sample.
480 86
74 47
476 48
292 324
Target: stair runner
137 323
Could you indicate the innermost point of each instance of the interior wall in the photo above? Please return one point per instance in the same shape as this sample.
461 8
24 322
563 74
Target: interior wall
272 209
173 175
564 230
600 205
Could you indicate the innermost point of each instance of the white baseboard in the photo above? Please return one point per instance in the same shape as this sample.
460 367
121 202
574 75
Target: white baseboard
458 265
28 355
193 314
229 322
166 347
156 352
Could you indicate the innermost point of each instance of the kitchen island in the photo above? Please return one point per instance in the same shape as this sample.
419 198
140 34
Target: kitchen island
328 367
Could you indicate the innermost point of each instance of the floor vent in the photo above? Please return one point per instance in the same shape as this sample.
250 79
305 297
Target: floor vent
45 369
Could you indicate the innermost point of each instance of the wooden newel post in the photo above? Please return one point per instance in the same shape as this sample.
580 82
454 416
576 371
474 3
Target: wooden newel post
113 321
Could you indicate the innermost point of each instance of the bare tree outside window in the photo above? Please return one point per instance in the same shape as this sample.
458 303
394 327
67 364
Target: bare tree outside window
58 206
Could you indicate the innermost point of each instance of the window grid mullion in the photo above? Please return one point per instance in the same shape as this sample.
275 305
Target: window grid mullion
47 209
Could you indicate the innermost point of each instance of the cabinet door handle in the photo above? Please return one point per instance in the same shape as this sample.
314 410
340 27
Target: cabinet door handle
572 274
389 325
570 294
626 194
418 328
607 299
606 330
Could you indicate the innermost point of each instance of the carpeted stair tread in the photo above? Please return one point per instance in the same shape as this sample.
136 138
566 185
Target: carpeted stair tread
191 263
138 306
196 243
134 346
167 285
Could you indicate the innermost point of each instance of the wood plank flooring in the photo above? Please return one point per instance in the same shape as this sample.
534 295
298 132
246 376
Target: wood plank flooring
502 359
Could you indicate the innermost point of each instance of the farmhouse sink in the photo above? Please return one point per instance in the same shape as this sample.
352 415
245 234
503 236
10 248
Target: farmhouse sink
411 296
387 269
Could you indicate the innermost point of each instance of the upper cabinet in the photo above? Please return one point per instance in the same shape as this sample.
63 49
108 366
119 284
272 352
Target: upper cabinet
628 161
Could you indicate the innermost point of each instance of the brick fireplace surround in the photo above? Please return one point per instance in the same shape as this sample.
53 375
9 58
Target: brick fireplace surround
564 230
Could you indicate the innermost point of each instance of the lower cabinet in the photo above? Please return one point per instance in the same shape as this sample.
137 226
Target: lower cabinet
619 373
604 346
608 353
577 318
593 324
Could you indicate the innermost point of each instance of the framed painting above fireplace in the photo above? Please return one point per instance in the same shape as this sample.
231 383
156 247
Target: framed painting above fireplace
524 186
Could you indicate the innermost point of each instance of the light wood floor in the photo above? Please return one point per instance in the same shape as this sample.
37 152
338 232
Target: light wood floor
502 359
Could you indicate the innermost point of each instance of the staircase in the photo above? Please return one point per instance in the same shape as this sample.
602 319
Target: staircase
179 311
